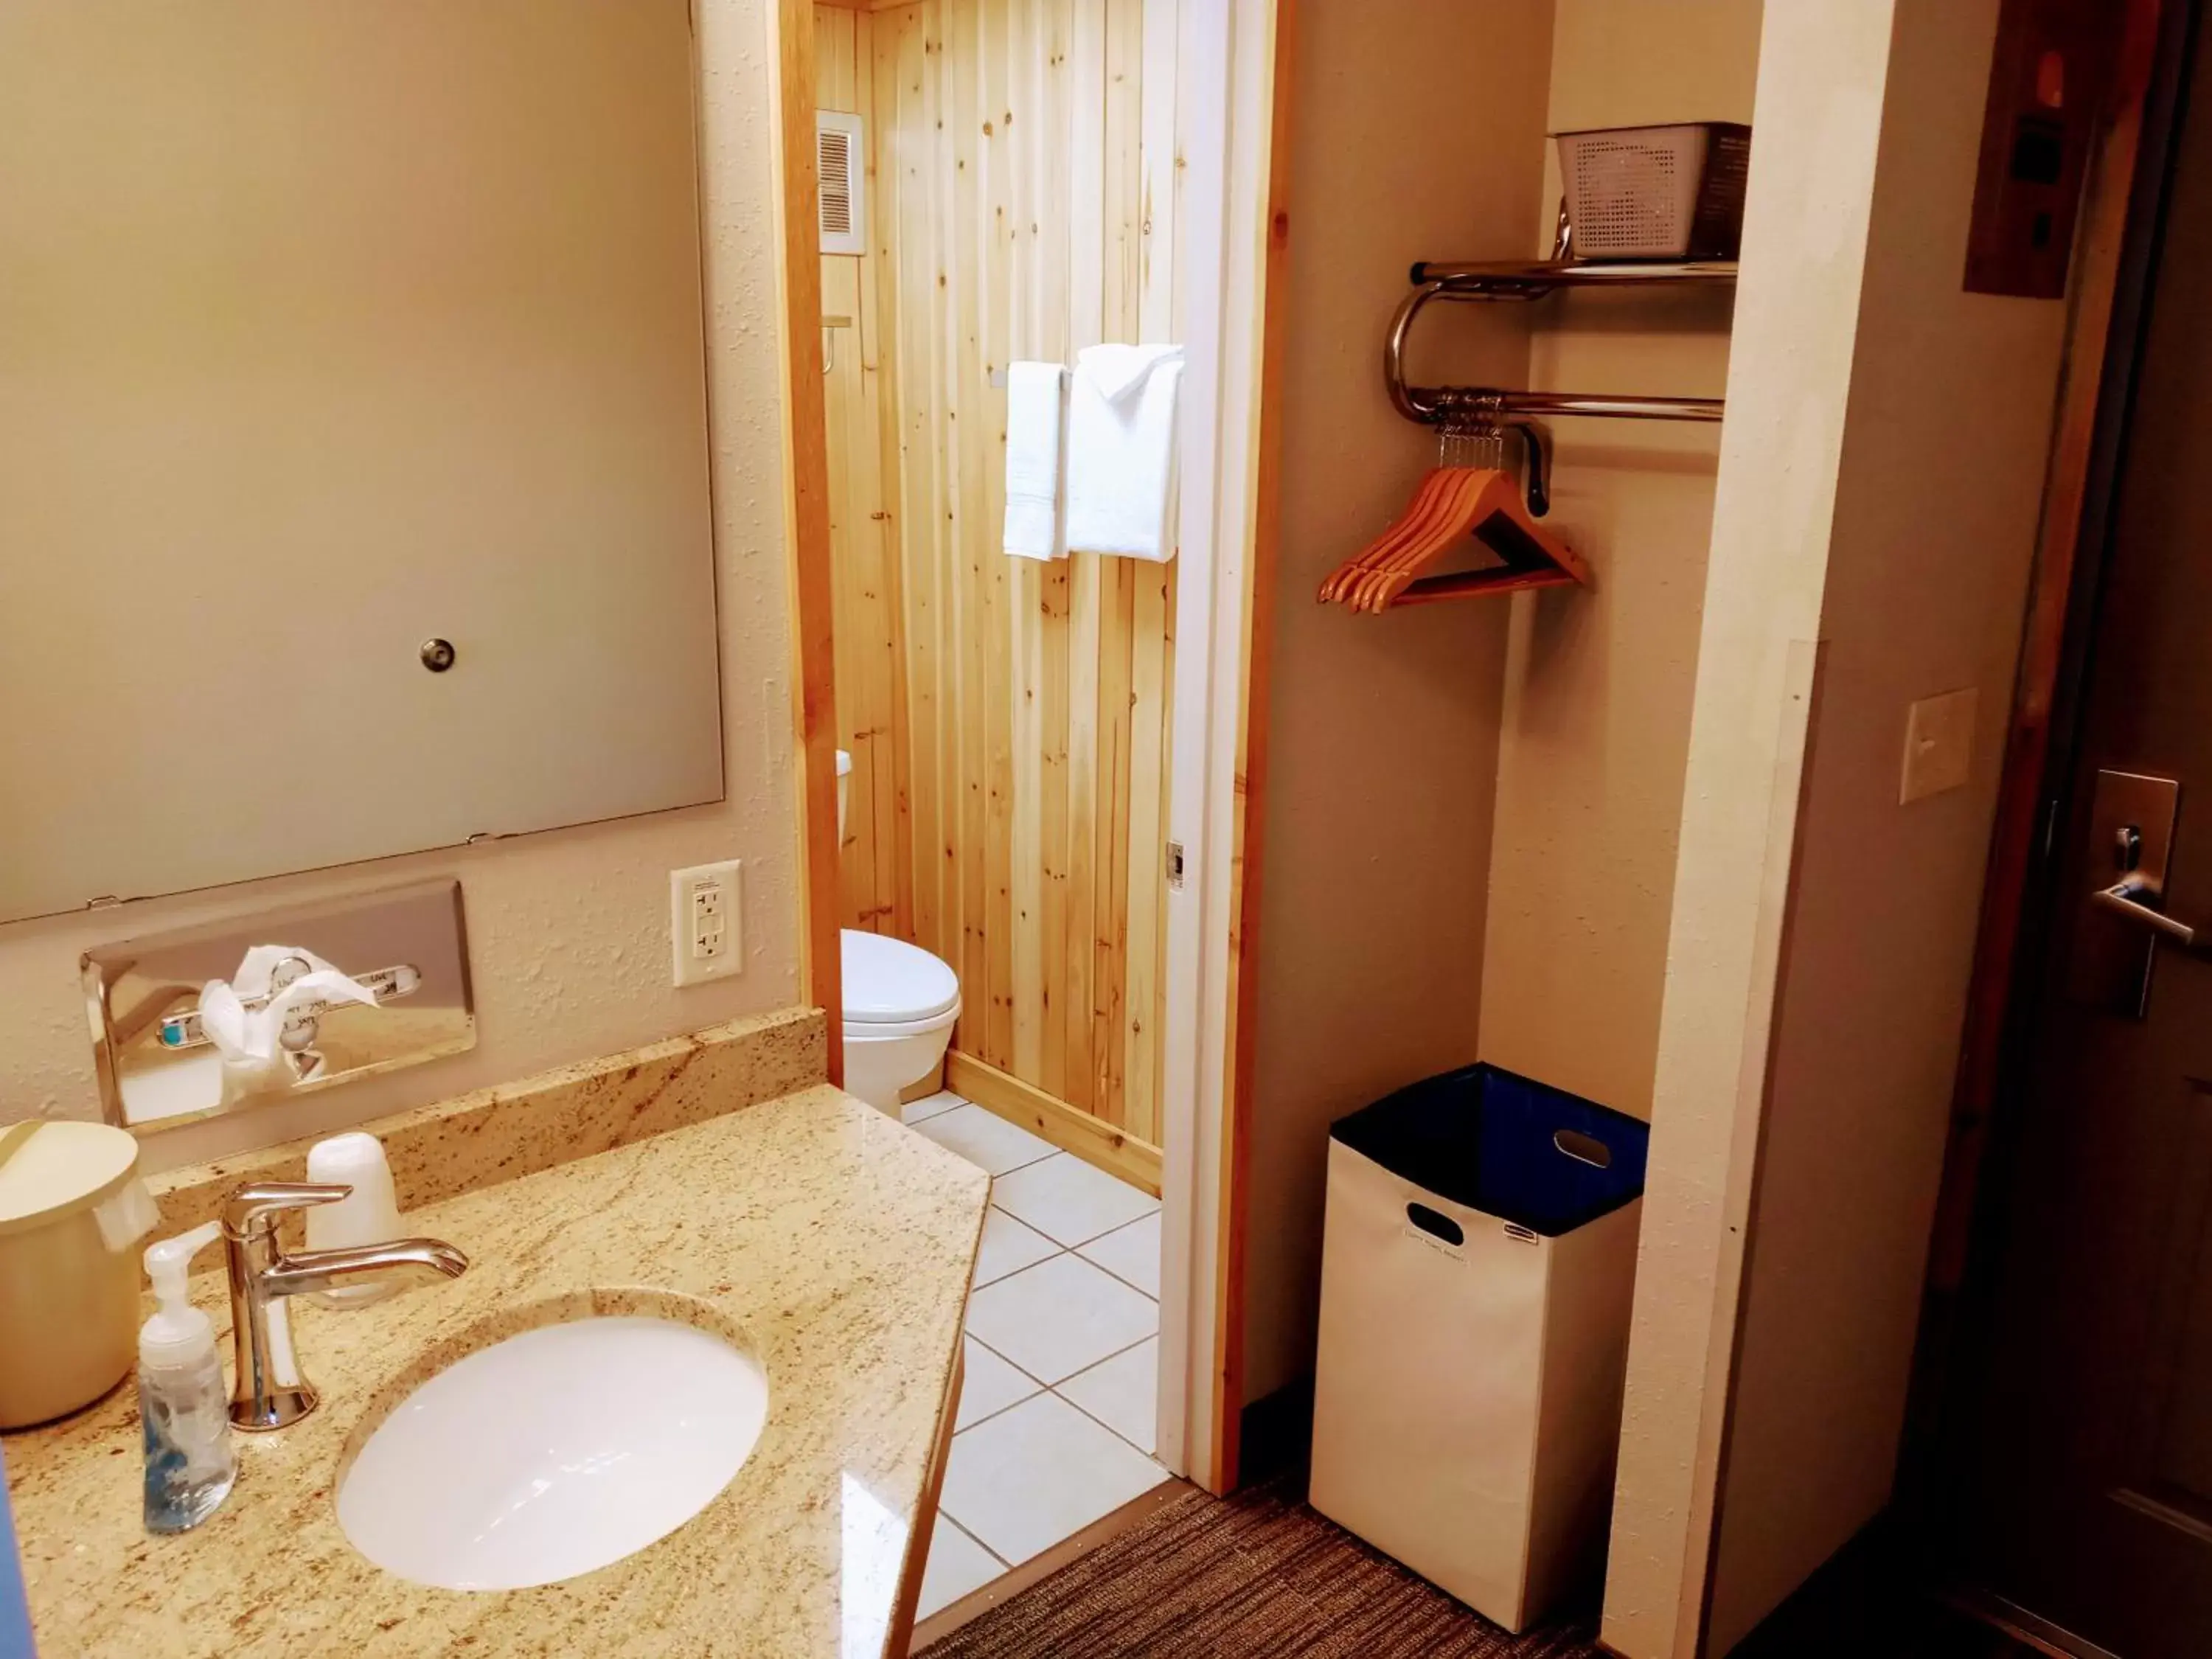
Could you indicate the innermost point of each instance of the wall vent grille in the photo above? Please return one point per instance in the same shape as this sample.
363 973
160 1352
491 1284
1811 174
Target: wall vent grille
837 168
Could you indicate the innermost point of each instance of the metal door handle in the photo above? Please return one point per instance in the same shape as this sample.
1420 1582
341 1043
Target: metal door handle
2125 897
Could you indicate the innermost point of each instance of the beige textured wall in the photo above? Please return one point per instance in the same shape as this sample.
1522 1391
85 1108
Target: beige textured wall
568 929
1944 448
1598 681
1382 730
1877 493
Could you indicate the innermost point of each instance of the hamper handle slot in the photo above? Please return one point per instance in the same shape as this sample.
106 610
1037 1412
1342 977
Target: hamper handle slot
1584 1149
1436 1224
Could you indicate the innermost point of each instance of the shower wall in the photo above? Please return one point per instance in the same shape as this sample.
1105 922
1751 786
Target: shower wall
1008 721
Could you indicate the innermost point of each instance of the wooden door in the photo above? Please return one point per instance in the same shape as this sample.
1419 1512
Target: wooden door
2089 1426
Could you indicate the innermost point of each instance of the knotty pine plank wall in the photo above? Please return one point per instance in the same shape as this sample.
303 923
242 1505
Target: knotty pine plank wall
1024 204
864 543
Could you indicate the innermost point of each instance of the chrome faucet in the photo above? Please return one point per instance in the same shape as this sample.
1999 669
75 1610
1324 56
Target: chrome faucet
269 1390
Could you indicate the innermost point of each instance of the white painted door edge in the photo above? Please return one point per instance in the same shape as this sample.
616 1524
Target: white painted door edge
1224 119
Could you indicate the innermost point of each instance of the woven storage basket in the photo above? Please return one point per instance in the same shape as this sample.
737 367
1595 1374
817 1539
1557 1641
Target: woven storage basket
1671 192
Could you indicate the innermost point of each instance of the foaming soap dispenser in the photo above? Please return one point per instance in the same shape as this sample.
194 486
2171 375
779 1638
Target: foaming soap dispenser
184 1409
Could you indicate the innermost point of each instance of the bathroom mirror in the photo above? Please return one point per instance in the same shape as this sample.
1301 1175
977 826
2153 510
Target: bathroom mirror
353 433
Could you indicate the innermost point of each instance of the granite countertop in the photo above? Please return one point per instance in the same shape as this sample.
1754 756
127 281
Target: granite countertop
834 1244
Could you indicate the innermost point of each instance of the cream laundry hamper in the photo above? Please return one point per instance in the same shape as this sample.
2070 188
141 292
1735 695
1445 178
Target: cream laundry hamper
1478 1262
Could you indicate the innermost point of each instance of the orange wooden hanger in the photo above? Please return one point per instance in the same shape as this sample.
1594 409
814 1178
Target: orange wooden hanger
1452 502
1440 533
1425 510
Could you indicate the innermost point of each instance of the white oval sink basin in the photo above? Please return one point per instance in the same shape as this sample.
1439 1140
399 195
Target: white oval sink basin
555 1452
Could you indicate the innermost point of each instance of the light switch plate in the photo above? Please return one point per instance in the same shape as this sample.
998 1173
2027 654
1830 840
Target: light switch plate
1939 743
704 922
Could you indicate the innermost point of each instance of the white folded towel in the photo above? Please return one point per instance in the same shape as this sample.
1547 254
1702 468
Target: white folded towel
1036 408
1121 451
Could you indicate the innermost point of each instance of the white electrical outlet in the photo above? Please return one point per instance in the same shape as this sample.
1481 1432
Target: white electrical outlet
703 926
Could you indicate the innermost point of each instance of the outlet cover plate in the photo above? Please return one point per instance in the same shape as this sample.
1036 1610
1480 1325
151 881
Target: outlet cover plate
1939 744
706 936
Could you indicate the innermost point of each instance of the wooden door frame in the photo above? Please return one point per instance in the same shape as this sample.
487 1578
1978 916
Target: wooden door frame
806 508
1229 116
2108 290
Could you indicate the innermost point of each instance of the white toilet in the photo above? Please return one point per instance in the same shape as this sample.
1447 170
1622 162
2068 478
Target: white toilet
900 1003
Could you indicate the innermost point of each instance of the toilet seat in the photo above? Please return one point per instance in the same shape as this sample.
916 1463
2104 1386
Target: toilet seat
891 986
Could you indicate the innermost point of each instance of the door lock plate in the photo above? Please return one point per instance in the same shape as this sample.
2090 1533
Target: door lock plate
2131 821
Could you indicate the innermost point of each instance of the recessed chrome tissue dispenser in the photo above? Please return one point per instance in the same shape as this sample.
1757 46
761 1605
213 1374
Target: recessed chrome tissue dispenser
323 994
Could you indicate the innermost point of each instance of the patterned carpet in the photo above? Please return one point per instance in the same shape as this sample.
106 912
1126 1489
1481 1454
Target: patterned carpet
1258 1575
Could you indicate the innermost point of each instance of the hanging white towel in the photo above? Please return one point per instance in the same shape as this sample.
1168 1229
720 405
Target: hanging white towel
1121 451
1036 409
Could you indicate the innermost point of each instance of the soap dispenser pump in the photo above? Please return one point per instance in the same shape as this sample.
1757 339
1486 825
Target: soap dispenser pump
184 1409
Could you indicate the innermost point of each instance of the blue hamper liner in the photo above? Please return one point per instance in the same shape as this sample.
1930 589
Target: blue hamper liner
1506 1145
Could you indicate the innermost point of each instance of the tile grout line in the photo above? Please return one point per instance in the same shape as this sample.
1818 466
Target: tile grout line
1042 1388
1134 1221
1077 1246
1151 1457
1055 1387
1057 1249
1041 1384
1005 1565
1043 1157
1151 1296
1151 1336
1053 1390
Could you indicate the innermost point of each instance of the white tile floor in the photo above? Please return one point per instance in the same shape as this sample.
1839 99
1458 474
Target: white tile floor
1057 1423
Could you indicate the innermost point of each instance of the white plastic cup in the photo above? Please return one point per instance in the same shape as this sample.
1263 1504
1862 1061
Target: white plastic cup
369 1215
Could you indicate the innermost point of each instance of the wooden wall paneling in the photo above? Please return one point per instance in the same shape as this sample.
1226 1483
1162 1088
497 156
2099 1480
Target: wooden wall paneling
940 440
994 231
1021 116
1086 281
1026 176
834 42
835 37
1120 252
963 120
879 372
872 723
905 211
840 401
1051 138
1093 1139
1110 910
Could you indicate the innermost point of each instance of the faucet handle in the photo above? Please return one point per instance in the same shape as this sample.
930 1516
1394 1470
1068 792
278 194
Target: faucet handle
252 1210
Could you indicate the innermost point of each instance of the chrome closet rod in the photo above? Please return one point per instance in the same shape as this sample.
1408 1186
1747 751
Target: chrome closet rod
1430 405
1579 403
1507 279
